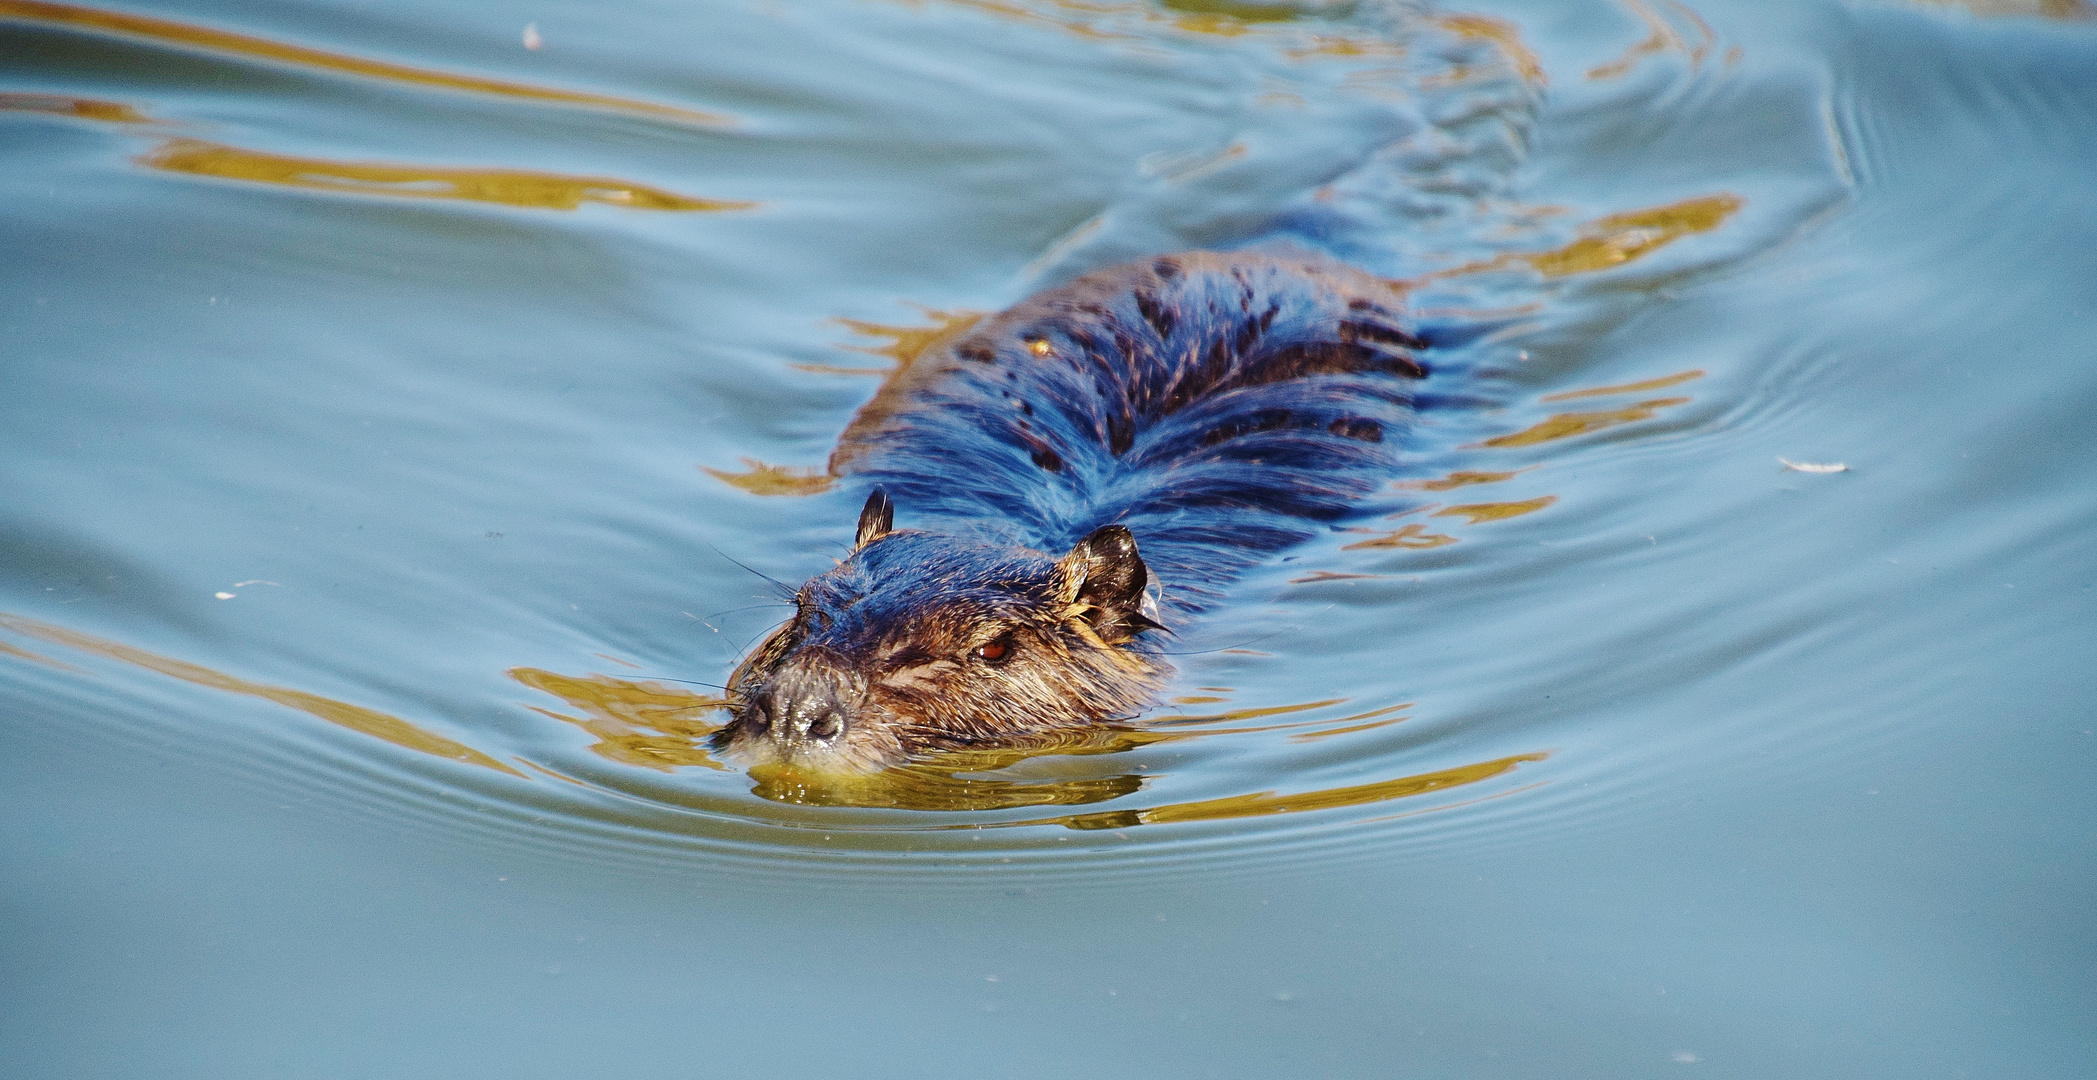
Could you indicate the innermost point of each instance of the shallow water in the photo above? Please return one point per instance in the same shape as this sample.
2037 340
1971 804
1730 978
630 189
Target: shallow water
391 412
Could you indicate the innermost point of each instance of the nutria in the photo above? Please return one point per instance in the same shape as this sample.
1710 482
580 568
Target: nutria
1164 424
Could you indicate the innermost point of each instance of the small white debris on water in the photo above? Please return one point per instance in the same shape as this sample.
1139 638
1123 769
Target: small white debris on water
532 40
1684 1057
1814 466
223 595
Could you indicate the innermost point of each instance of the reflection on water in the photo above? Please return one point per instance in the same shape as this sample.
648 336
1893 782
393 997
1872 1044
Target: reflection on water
907 343
108 112
1640 387
1612 241
956 781
636 723
758 478
1242 12
1663 35
1567 425
1411 537
511 187
1501 33
1473 513
357 718
1109 20
1460 478
1620 238
2047 9
1268 803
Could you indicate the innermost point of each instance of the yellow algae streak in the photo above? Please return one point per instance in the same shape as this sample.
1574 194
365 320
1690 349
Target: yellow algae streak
2045 9
1500 511
1250 714
1318 576
763 479
1105 20
109 112
188 35
907 343
1610 241
1079 24
1567 425
1351 729
1376 718
10 650
1268 803
1661 383
843 369
510 187
1457 480
1344 48
354 717
1661 36
636 723
1620 238
1412 537
1230 9
1502 33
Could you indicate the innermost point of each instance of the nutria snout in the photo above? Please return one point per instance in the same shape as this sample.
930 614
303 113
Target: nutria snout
807 703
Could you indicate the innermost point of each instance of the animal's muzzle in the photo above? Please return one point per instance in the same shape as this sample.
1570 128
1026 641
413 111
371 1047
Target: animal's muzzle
801 706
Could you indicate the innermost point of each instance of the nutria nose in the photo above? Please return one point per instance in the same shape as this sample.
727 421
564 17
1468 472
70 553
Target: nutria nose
827 725
804 705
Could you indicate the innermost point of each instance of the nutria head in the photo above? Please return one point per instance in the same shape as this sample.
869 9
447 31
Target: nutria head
921 641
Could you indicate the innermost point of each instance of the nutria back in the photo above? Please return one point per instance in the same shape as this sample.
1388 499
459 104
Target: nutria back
1164 422
1216 404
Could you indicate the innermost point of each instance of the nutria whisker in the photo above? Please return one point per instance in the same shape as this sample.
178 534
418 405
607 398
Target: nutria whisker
694 682
785 590
747 607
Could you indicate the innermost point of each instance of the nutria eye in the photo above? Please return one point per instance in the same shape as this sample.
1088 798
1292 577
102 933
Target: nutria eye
995 651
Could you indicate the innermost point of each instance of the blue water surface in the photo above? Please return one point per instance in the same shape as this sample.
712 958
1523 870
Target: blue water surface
389 412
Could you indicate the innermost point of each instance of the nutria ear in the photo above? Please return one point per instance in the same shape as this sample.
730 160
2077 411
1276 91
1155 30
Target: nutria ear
1105 577
875 519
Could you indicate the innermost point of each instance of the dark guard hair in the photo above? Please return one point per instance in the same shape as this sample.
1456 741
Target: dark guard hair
1212 408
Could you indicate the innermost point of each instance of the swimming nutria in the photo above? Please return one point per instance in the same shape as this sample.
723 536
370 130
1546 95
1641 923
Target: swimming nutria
1209 407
